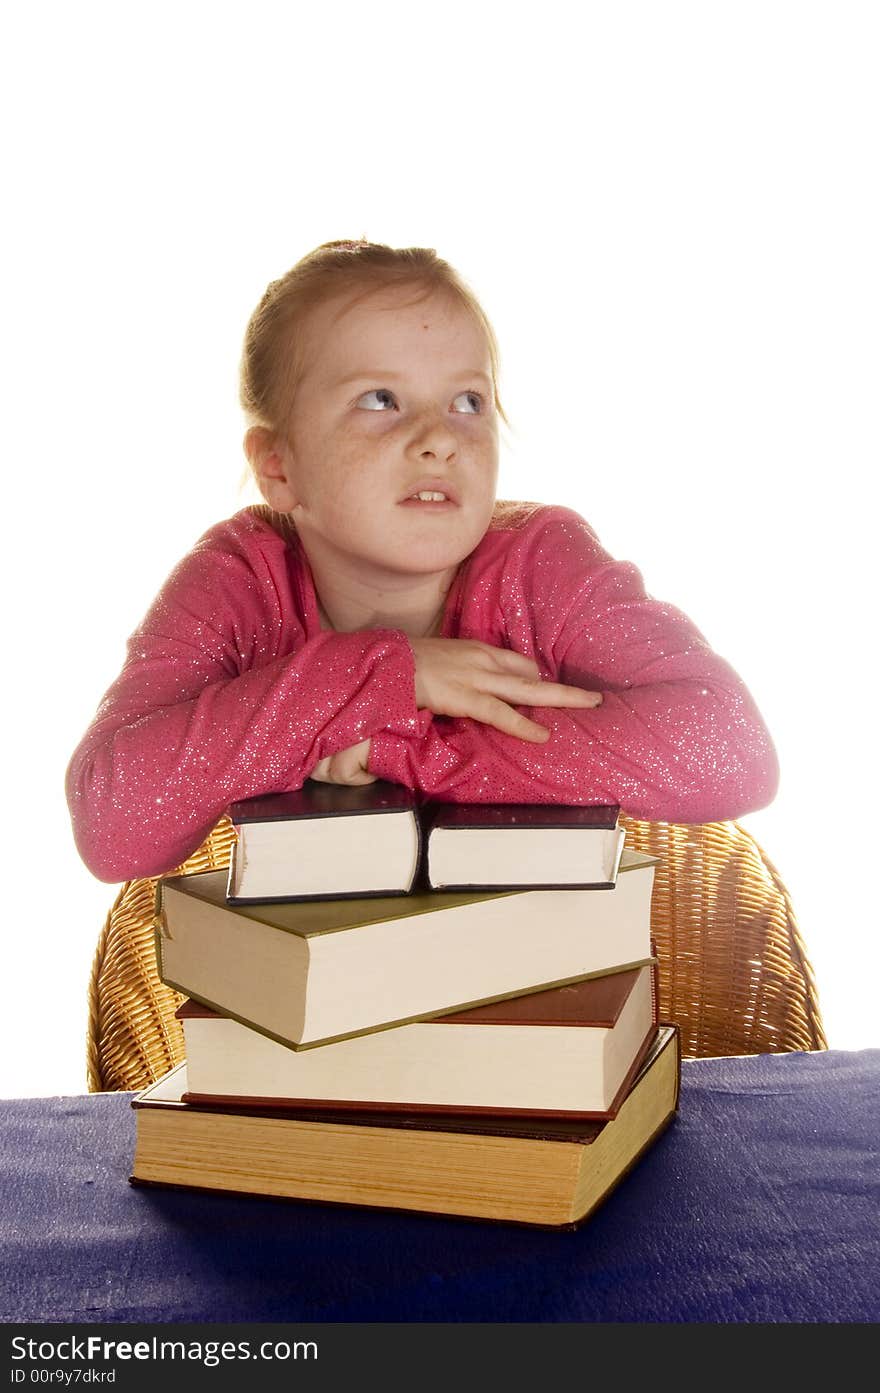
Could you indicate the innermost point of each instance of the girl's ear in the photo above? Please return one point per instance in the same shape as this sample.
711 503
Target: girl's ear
270 461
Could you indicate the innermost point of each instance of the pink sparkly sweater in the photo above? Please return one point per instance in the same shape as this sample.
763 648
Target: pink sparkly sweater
231 688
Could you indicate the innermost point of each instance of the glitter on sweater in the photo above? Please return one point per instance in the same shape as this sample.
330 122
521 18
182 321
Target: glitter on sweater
231 688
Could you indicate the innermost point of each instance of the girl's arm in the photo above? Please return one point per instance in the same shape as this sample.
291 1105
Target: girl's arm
222 697
677 737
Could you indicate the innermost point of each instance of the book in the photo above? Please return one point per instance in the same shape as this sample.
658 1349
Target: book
313 971
550 1171
332 841
539 846
567 1051
312 843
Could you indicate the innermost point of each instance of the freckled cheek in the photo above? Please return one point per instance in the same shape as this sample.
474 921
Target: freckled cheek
347 460
489 468
361 437
485 443
351 485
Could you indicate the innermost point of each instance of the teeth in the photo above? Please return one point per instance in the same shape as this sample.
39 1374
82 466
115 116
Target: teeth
428 496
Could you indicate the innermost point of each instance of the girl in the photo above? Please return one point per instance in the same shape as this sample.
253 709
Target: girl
384 617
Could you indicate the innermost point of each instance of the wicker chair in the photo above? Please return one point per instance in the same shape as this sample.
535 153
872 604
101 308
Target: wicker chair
733 971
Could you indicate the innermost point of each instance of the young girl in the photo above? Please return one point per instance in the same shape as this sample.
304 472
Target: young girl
384 617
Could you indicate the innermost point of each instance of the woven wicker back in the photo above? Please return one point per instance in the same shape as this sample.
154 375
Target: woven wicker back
733 971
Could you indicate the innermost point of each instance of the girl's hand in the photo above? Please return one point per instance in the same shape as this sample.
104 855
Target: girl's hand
464 677
345 767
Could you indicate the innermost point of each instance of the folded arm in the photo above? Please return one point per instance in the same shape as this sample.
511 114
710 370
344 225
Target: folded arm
676 738
206 711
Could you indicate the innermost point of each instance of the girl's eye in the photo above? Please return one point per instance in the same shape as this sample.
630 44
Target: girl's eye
381 394
382 399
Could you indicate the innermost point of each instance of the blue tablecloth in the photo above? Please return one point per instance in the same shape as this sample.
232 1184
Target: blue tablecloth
760 1203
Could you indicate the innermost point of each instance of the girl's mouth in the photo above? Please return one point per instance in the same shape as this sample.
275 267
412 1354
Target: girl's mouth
432 495
433 502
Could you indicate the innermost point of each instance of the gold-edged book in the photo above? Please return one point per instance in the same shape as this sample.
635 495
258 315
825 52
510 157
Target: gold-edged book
547 1172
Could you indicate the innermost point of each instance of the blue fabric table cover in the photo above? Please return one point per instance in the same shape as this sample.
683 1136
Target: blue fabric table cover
760 1203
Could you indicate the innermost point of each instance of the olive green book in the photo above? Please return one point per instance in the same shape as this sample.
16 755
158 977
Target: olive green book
310 972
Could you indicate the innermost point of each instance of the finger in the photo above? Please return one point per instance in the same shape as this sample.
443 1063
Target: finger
491 655
510 661
514 689
560 694
492 712
357 776
347 766
335 775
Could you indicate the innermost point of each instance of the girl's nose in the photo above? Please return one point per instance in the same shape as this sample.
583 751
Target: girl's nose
433 435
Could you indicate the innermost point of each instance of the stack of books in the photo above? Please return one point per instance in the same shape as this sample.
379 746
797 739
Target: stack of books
444 1008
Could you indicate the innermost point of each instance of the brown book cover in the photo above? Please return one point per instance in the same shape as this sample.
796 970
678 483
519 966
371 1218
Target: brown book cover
594 1003
577 1131
322 1107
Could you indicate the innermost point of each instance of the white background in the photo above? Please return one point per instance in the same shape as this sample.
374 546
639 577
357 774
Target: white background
670 213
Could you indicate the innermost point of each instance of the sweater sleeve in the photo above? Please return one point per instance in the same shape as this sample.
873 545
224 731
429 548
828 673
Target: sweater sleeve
210 708
677 738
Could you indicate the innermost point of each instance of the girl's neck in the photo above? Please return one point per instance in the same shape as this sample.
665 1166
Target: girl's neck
416 607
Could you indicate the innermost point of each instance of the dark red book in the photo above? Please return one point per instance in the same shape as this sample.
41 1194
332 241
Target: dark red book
325 841
522 846
568 1051
328 841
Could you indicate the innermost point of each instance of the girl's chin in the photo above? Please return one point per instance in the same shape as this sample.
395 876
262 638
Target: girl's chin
427 562
439 525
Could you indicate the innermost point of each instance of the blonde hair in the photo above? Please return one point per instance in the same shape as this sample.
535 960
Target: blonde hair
272 356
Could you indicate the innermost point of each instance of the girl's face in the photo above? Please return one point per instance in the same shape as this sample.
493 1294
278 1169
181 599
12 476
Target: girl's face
396 400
